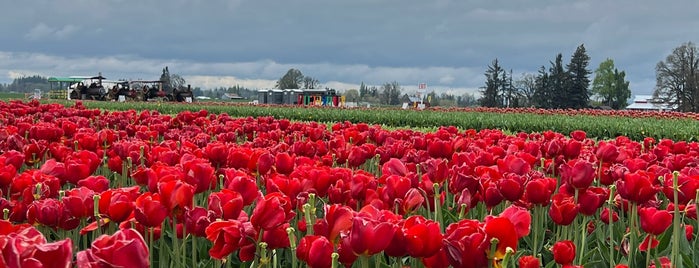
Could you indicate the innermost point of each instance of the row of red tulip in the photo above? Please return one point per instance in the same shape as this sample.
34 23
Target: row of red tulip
577 112
259 187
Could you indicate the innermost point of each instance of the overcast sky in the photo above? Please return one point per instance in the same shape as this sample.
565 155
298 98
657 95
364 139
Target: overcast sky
446 44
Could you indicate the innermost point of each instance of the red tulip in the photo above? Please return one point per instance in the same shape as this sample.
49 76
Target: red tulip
654 221
338 218
607 152
604 216
243 183
423 238
520 218
118 204
115 164
227 236
648 243
7 174
572 149
529 261
436 169
440 149
465 244
284 163
664 263
563 252
369 236
47 212
438 260
13 158
315 251
176 196
511 186
217 153
396 187
197 219
271 211
578 174
80 165
504 231
226 204
394 167
687 187
563 209
412 201
33 152
347 257
538 191
513 164
198 173
96 183
26 247
79 202
578 135
592 199
149 210
637 187
125 248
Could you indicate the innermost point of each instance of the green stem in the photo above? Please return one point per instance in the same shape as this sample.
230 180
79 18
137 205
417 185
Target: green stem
447 196
194 251
581 256
175 242
610 204
535 234
264 259
335 260
632 235
493 247
292 245
462 211
674 256
308 218
150 246
649 251
437 206
364 261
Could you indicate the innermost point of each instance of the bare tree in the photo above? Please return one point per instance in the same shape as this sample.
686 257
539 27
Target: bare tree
526 86
310 82
677 78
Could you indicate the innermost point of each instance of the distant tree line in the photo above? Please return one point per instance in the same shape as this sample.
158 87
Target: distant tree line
217 93
570 86
557 87
26 84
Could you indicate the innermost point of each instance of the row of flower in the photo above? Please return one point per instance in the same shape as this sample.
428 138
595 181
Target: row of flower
133 189
598 124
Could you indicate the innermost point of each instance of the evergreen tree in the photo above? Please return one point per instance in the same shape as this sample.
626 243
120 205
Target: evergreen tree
494 85
558 82
578 80
543 95
363 91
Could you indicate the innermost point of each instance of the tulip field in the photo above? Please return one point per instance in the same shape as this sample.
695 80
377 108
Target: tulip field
87 187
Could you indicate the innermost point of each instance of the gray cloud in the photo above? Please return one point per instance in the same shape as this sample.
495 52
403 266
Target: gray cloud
443 43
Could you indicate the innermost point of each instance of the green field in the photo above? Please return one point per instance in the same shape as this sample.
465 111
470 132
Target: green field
11 96
599 127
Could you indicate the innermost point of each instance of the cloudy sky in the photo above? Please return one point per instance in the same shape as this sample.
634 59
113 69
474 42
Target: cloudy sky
446 44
